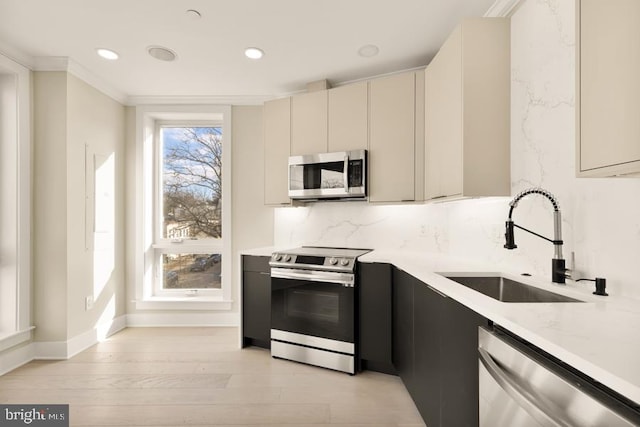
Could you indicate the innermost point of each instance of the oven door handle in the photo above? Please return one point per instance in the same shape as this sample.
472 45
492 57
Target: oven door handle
345 279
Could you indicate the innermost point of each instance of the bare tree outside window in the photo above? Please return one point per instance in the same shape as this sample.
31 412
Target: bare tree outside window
191 174
192 182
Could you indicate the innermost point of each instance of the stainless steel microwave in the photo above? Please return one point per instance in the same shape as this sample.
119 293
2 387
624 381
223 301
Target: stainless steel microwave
339 175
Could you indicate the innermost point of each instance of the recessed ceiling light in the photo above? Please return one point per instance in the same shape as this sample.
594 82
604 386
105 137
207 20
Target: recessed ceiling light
253 53
193 14
162 53
368 50
107 54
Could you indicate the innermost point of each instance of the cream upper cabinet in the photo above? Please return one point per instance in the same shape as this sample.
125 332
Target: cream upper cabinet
277 141
309 123
443 130
467 113
609 88
392 138
348 117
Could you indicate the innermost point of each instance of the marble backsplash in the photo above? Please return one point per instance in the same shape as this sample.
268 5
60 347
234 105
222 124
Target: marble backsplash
601 217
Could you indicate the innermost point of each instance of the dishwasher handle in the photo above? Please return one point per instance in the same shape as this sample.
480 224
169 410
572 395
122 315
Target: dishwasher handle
546 416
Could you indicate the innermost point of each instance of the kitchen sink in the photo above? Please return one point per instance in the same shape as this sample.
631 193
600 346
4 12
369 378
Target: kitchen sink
507 290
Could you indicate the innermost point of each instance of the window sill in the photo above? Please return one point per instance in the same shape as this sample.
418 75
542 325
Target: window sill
184 303
12 340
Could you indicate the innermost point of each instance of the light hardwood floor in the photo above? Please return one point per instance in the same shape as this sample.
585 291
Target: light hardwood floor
198 376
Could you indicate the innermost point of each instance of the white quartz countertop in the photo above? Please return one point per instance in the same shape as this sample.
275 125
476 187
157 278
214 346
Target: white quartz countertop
264 251
599 337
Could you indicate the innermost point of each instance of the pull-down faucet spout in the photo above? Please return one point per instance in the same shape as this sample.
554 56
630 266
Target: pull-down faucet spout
558 272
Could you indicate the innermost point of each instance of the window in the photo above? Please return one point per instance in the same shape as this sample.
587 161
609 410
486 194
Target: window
15 205
188 239
183 243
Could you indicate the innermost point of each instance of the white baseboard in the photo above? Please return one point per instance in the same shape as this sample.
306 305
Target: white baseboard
19 355
183 319
50 350
16 357
66 349
84 341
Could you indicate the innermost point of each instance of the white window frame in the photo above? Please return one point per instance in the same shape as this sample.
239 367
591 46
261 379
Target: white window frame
15 181
163 245
148 249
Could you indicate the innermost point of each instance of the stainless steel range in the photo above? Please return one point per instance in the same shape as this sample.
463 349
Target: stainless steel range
313 304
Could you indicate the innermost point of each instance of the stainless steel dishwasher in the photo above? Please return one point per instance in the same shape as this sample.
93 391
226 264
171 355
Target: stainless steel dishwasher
521 387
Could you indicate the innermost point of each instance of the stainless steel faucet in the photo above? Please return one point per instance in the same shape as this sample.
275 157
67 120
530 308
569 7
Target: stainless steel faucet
558 268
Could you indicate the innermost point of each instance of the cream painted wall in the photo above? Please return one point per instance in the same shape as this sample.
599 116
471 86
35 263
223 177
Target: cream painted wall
95 141
130 203
50 206
72 118
252 221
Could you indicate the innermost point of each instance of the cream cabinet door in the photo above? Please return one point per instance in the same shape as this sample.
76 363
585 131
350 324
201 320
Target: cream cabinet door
609 142
486 94
392 138
443 122
348 117
277 141
309 123
467 114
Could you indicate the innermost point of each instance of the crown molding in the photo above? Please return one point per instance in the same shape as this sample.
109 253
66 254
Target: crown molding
50 63
199 100
16 55
373 77
63 63
98 83
502 8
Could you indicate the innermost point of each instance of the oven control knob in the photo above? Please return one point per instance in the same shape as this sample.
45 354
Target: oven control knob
287 258
333 261
344 262
276 257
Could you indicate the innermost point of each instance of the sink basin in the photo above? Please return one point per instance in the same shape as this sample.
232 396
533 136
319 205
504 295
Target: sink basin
507 290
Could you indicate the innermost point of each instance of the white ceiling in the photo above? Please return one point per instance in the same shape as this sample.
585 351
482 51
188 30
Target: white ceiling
304 40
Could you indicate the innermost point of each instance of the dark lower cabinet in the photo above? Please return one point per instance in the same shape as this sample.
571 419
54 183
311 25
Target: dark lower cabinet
428 308
459 364
374 317
435 351
256 301
403 350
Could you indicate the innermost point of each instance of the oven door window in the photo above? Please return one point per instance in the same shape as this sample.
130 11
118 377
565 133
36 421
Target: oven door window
313 306
317 176
318 309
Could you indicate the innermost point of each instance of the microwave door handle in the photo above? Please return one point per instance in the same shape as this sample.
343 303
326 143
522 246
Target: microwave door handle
346 173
